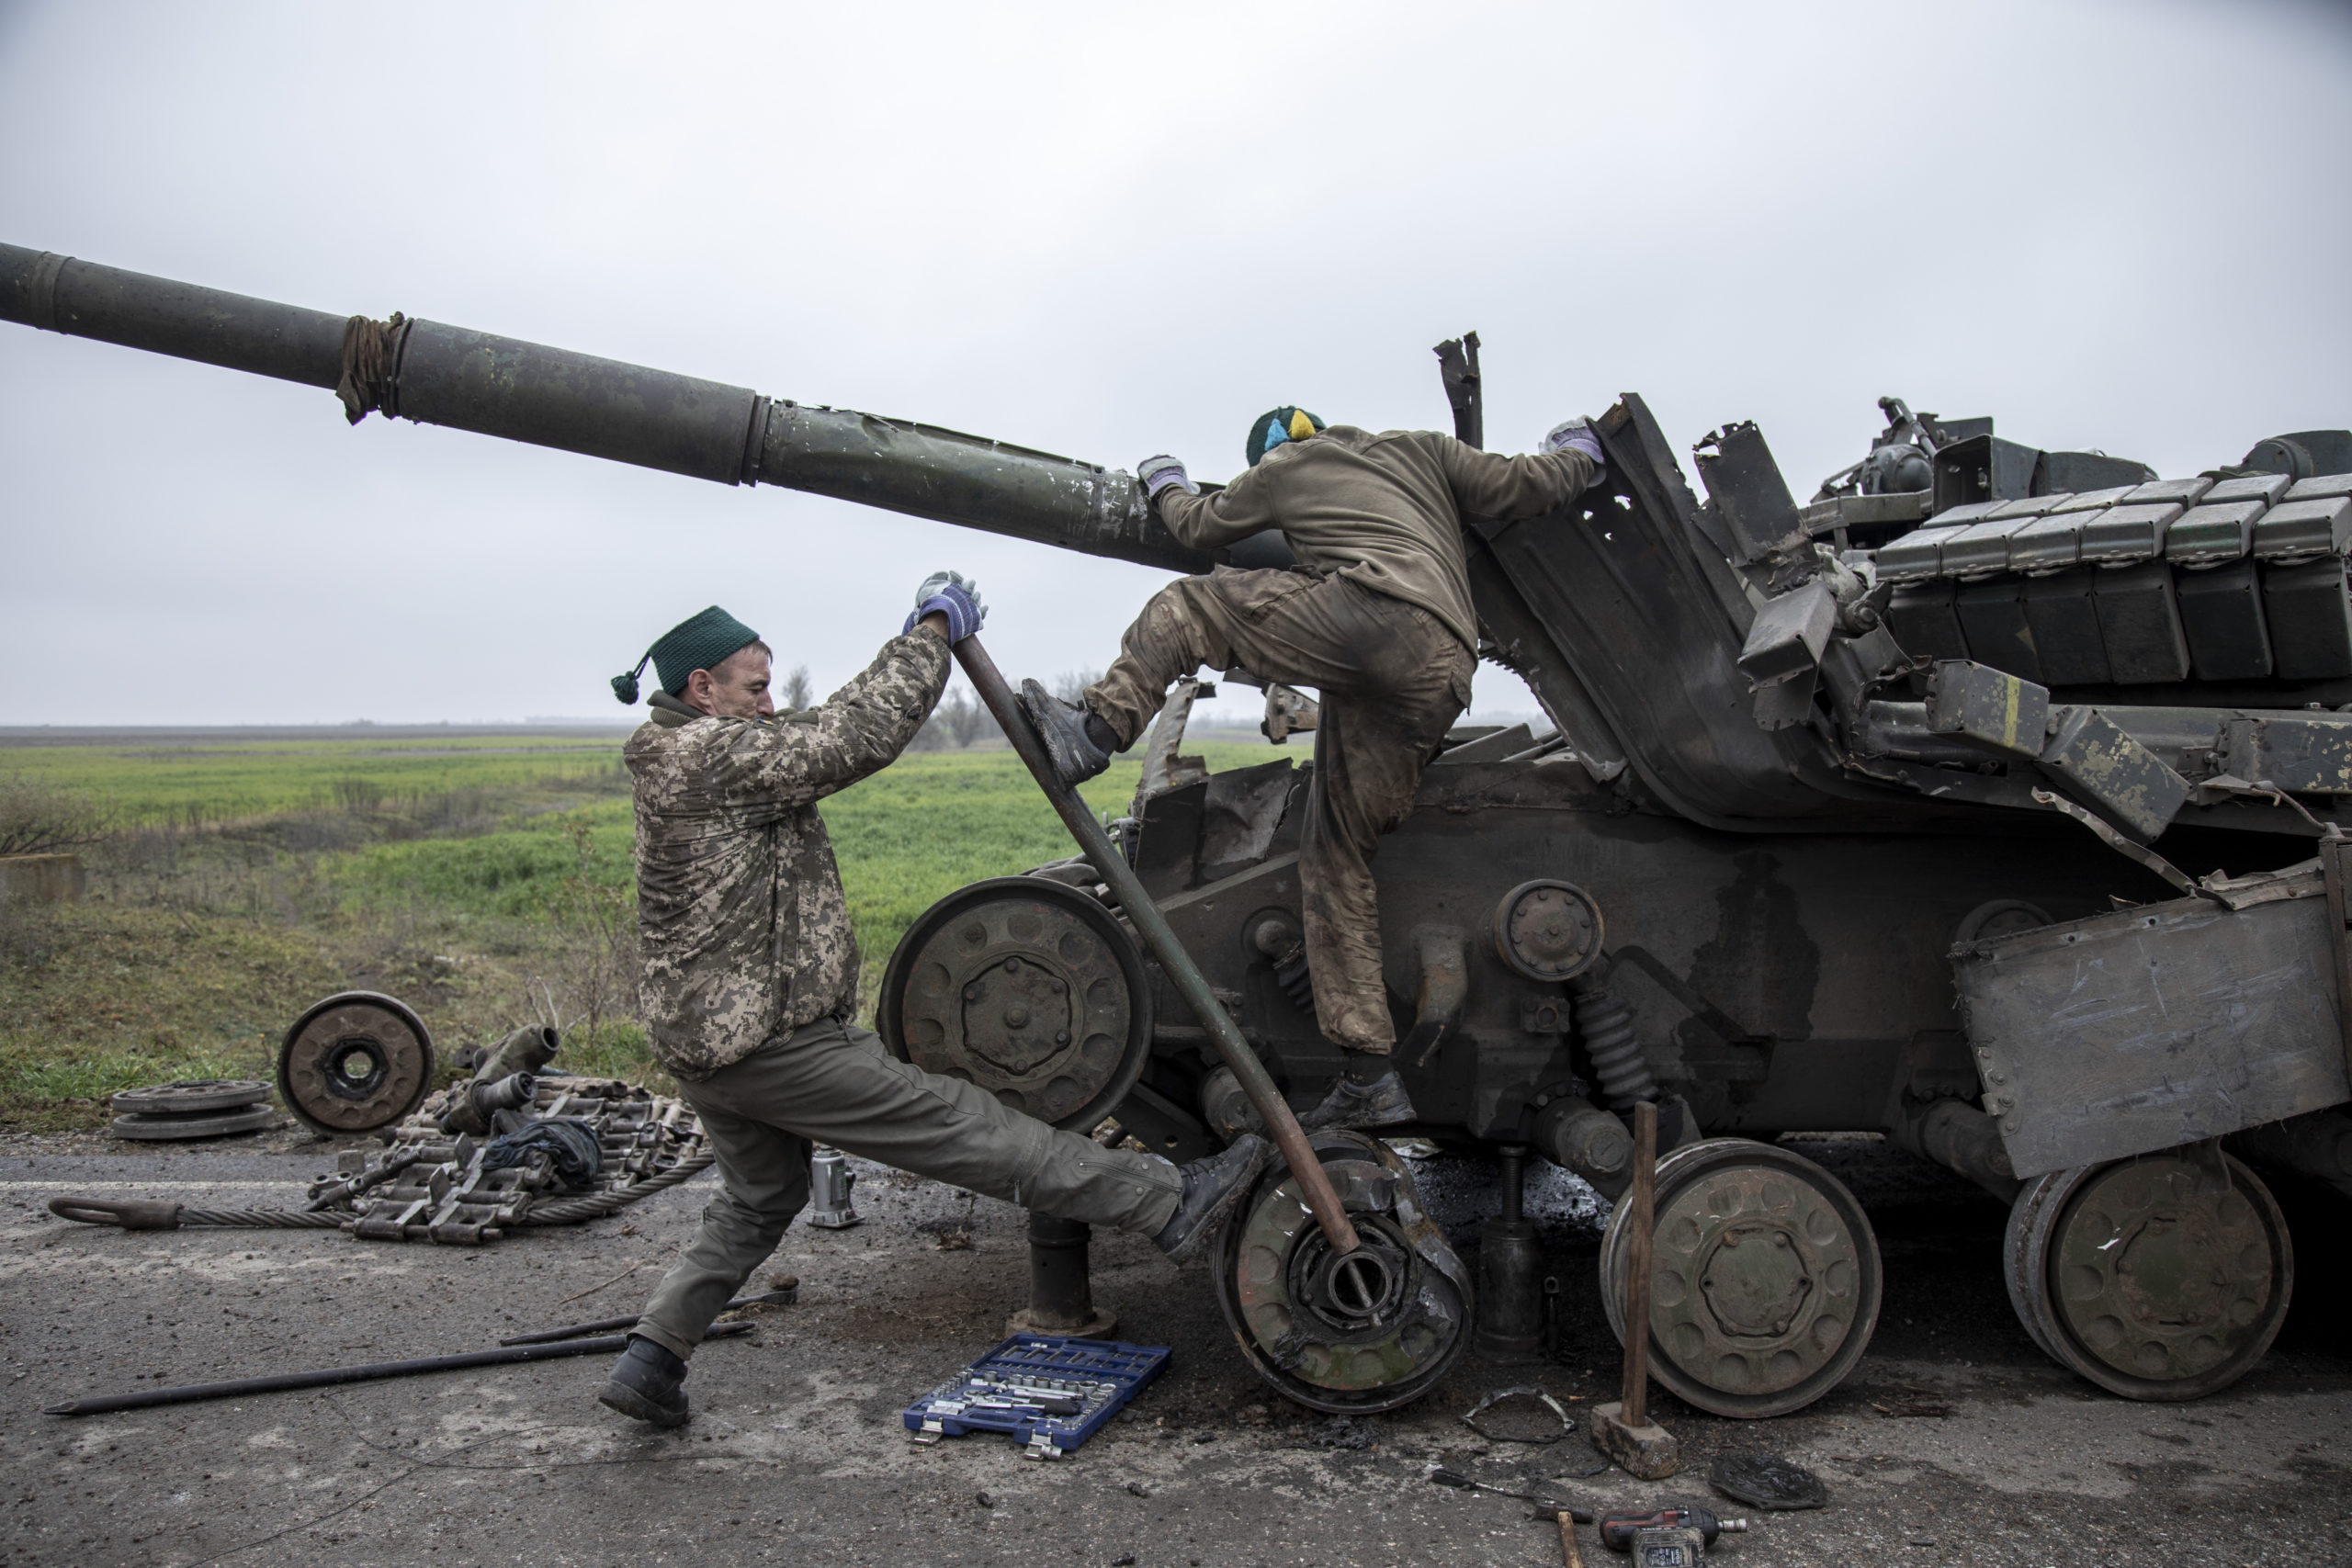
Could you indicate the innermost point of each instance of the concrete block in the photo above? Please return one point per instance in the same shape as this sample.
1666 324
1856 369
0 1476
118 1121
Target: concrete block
42 879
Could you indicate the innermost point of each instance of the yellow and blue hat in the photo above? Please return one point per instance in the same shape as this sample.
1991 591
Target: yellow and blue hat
1278 426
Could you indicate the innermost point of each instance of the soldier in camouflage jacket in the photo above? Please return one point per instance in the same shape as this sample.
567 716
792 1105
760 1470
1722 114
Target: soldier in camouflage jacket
751 973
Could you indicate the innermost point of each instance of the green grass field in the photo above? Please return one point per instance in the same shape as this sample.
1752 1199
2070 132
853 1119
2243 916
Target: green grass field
484 881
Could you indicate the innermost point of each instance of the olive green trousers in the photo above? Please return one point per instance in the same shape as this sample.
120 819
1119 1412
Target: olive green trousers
832 1083
1391 680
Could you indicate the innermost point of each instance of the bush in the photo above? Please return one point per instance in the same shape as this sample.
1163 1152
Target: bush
38 818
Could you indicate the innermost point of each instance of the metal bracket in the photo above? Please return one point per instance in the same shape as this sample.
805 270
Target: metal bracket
2115 841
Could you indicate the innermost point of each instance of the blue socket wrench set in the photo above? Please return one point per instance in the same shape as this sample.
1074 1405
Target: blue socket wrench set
1046 1393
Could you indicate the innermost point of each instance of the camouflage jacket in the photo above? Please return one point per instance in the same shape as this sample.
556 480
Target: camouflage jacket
739 911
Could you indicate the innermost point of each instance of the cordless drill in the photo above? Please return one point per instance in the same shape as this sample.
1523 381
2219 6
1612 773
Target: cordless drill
1664 1538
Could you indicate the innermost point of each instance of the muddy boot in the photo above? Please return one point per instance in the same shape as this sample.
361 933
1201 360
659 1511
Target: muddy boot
1362 1100
1212 1187
646 1384
1079 743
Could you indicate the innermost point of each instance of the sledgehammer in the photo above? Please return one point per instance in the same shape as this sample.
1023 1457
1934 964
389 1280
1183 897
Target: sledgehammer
1289 1137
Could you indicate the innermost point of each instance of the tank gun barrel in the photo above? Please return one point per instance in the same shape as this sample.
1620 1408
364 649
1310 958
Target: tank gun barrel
436 374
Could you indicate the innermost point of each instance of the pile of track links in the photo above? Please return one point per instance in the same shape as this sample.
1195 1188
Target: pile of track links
430 1185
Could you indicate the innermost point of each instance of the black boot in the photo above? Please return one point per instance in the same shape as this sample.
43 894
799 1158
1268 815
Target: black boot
1368 1095
1074 738
1212 1187
646 1384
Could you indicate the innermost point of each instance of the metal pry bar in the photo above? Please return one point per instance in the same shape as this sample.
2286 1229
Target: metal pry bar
1149 924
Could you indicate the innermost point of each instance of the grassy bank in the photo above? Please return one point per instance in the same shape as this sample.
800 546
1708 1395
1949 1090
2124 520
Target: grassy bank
485 884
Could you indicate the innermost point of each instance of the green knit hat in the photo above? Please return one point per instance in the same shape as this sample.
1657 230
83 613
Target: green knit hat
698 642
1277 426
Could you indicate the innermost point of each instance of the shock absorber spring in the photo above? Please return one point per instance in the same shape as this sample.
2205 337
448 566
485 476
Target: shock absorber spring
1606 1025
1292 976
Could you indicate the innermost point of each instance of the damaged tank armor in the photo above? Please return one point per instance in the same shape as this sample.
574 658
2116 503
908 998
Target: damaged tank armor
1809 773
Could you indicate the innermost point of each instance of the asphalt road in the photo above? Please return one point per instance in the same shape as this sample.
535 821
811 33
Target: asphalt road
797 1455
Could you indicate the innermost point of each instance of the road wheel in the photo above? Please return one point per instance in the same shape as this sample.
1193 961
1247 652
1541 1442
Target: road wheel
355 1061
1029 988
1370 1333
1765 1284
2162 1277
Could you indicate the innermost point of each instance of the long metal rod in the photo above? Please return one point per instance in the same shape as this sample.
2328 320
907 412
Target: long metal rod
606 1325
1635 1409
327 1376
1289 1137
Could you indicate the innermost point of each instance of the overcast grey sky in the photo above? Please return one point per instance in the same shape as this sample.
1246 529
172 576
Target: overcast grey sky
1101 230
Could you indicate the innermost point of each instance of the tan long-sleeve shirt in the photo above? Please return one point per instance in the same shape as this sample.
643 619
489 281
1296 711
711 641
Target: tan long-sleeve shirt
1385 509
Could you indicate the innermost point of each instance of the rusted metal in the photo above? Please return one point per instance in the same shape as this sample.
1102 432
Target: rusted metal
1633 1401
1061 1293
188 1097
194 1108
357 1061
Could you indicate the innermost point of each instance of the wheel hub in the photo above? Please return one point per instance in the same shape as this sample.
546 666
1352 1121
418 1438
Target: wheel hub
2162 1269
1368 1331
1756 1282
355 1067
1017 1014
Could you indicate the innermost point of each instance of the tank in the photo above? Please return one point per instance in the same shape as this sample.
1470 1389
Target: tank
1875 814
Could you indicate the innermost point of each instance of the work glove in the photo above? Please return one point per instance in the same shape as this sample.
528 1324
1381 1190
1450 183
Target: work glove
1156 474
954 595
1576 435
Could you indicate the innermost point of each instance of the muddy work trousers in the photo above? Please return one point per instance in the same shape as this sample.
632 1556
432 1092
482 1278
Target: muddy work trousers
1391 680
832 1083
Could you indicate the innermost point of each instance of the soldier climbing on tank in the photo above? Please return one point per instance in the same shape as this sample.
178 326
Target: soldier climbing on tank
1376 617
750 982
